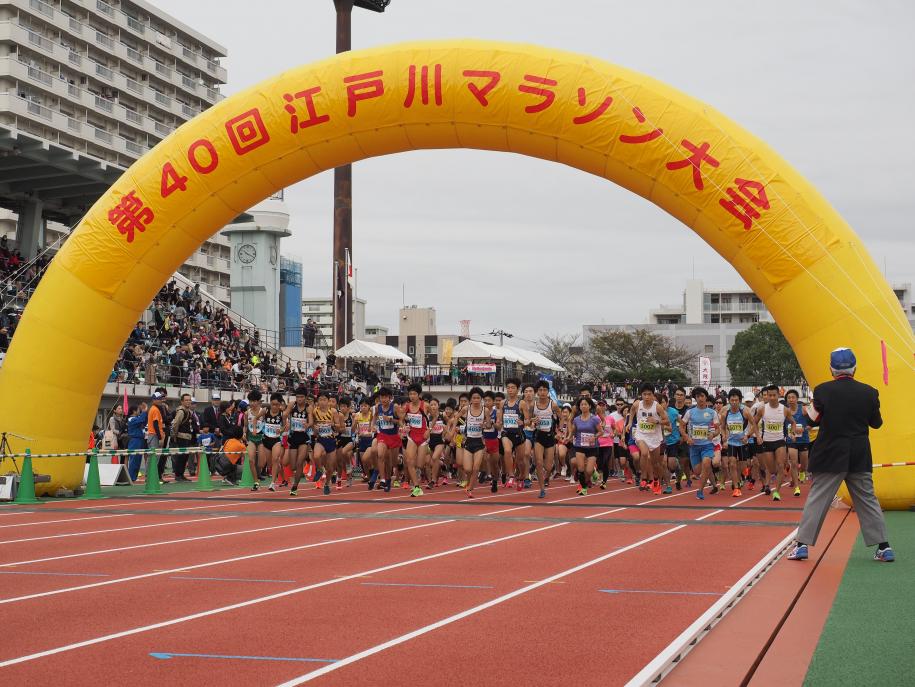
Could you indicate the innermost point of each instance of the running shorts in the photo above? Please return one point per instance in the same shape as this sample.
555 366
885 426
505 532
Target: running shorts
435 440
515 436
738 451
270 442
343 441
328 443
417 436
587 451
545 439
771 446
390 440
297 439
699 453
801 446
473 445
365 443
492 445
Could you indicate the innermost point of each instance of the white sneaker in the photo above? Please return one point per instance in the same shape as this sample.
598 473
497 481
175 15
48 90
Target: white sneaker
562 473
272 487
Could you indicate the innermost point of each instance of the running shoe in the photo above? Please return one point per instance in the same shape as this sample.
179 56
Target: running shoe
767 490
462 484
603 485
293 492
546 482
562 473
700 495
737 493
387 487
689 484
776 496
333 478
667 489
510 483
405 484
469 493
396 483
494 487
542 494
799 553
714 489
582 491
572 479
416 492
885 555
751 485
656 488
628 481
320 484
595 477
444 481
326 488
797 491
372 479
339 485
527 484
430 484
643 486
679 486
253 488
271 486
519 485
802 475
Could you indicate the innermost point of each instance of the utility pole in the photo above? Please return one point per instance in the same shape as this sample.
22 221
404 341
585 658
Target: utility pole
501 333
341 295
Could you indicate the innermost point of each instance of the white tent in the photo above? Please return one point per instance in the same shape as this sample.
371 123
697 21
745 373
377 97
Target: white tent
371 351
470 349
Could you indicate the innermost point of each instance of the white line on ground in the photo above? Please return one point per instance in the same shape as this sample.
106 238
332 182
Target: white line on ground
278 595
115 529
341 663
158 573
54 522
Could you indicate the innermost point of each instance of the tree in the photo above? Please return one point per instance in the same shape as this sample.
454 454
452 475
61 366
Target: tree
560 348
761 354
639 354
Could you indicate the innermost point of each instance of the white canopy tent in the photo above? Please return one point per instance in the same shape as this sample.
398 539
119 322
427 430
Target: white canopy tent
470 349
371 351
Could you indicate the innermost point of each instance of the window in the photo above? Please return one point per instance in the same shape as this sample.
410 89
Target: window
709 348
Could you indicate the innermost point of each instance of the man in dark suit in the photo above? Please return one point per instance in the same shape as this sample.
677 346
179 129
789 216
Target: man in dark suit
844 409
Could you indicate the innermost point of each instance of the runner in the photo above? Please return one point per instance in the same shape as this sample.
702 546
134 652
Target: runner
736 427
459 438
700 426
437 426
798 444
417 438
297 414
682 449
345 446
587 428
491 440
544 414
523 463
323 419
647 422
672 442
511 421
476 419
773 453
254 436
365 435
605 448
618 419
388 444
274 425
565 453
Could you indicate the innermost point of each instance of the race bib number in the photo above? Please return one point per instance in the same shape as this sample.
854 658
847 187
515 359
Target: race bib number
735 427
439 427
298 424
774 427
544 424
415 421
365 428
272 431
510 421
646 426
474 431
385 423
586 439
700 432
325 431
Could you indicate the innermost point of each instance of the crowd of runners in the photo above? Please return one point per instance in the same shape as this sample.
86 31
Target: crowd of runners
524 438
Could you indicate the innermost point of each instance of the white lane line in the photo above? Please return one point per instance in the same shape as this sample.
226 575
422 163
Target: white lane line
53 522
277 595
661 664
504 510
134 502
323 505
116 529
341 663
218 505
185 568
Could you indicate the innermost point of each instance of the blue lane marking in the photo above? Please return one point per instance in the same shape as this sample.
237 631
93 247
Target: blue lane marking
655 591
165 656
24 572
225 579
407 584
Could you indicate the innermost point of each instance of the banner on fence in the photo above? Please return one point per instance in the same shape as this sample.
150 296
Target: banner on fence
481 368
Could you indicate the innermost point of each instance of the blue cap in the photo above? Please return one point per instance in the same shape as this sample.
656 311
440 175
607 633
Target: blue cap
842 359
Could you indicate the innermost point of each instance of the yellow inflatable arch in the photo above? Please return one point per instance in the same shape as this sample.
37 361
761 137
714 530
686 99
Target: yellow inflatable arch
790 246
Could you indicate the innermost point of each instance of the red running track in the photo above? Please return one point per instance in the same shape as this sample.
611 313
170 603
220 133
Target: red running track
395 590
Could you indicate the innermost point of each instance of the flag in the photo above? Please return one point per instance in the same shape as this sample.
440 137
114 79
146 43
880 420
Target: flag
126 405
349 269
705 371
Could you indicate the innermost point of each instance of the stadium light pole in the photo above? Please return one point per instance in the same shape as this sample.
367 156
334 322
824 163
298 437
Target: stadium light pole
343 192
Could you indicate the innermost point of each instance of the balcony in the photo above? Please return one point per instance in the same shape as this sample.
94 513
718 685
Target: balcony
105 8
43 7
104 72
163 70
103 39
101 134
135 24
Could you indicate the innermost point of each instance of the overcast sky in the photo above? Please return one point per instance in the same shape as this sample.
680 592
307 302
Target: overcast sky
827 83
